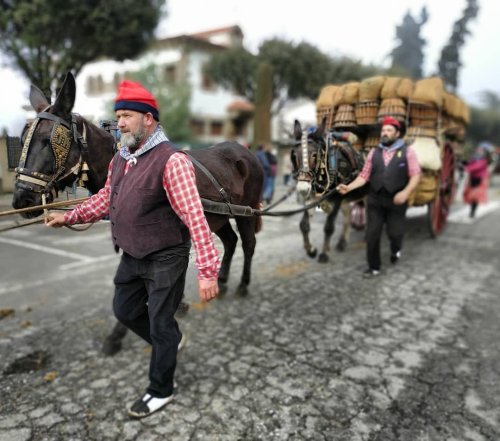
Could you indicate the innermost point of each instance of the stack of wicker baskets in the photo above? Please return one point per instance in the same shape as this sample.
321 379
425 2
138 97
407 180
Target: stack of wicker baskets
425 108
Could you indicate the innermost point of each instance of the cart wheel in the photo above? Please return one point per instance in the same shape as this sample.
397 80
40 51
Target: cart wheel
439 208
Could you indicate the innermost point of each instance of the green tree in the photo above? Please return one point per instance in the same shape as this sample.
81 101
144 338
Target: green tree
485 120
449 63
173 100
47 38
299 70
409 54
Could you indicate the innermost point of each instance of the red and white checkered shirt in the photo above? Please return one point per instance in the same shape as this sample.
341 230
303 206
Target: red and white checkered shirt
387 154
179 183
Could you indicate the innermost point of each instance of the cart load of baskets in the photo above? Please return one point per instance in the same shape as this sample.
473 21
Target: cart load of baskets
434 119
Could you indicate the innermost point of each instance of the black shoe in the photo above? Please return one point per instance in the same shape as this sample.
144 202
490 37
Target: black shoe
147 405
369 273
395 257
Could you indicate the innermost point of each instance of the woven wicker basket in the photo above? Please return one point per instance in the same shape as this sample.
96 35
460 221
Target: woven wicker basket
394 107
345 116
327 112
366 112
423 115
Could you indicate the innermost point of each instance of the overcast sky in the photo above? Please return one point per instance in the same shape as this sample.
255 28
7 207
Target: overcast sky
361 29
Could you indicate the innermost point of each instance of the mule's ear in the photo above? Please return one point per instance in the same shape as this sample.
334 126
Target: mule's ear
297 130
37 99
66 97
322 126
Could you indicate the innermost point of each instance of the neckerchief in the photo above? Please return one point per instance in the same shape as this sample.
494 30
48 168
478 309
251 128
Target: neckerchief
397 145
157 137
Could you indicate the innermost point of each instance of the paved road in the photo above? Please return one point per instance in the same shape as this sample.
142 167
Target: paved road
315 352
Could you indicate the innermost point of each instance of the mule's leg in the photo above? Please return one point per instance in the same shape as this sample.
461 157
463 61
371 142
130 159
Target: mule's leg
305 228
328 231
229 240
246 228
113 342
346 226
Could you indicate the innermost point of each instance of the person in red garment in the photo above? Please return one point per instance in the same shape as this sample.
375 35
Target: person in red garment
155 212
476 188
393 172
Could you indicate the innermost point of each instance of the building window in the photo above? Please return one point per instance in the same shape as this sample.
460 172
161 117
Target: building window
171 74
197 127
207 83
216 128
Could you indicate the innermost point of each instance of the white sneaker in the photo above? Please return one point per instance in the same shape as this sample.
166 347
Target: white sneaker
147 405
182 343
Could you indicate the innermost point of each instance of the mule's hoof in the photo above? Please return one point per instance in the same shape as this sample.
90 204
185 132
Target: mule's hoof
323 258
312 253
182 309
110 347
242 291
341 245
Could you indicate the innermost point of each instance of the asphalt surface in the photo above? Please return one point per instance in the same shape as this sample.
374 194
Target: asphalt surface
314 352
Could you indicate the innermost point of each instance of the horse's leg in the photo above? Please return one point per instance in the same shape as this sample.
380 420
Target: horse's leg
305 228
229 240
346 226
246 228
113 342
328 231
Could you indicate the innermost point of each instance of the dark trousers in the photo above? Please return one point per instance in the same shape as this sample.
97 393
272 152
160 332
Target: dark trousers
382 210
147 294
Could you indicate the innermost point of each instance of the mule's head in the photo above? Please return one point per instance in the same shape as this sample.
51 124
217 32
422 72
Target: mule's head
50 149
308 156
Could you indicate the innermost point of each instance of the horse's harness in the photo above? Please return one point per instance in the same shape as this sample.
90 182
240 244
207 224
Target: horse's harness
63 134
328 169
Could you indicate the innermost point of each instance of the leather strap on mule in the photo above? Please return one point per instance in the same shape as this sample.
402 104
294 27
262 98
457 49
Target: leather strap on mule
209 175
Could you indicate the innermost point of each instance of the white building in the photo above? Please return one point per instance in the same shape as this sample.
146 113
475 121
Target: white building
216 114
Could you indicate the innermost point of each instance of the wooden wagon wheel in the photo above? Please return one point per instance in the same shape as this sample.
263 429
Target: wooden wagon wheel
439 208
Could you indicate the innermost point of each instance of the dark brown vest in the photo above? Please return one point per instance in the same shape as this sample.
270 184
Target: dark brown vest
142 219
392 177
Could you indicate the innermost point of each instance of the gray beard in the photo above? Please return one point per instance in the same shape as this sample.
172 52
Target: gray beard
130 140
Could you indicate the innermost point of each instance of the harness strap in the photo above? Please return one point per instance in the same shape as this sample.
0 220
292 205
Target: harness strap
209 175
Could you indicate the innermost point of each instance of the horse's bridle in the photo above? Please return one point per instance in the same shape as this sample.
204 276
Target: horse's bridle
63 134
320 165
323 175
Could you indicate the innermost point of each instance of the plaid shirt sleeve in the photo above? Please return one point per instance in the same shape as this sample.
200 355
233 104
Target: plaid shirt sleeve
413 165
93 209
179 182
367 168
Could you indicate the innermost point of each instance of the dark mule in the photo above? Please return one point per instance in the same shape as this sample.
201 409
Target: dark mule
58 144
321 161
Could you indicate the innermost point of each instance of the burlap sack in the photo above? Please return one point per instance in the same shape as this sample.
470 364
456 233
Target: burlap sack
429 91
349 93
428 153
369 88
325 98
390 88
405 88
426 190
451 104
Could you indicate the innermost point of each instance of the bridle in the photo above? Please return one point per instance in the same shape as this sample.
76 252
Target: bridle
316 176
330 165
63 135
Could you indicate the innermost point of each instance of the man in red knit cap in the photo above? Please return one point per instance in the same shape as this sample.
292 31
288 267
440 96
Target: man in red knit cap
393 172
155 212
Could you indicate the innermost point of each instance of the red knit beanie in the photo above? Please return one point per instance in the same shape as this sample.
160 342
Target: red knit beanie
133 96
389 120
